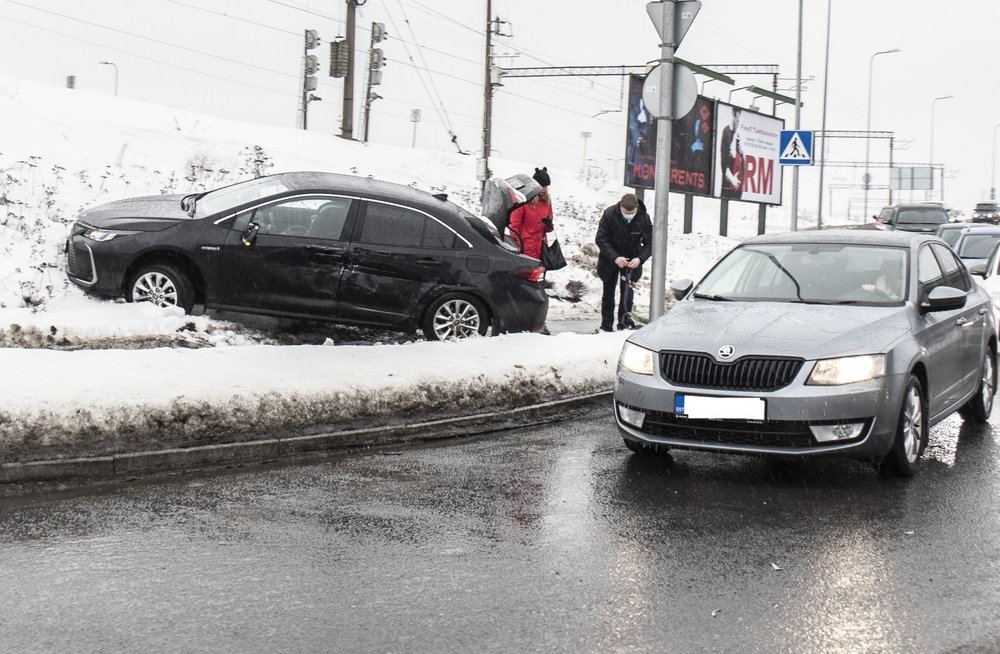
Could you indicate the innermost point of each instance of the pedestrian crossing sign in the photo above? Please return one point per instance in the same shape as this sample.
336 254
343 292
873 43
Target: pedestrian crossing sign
796 147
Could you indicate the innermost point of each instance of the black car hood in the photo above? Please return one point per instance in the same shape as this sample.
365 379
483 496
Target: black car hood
146 214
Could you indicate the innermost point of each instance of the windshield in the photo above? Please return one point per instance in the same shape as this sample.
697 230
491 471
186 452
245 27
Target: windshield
810 273
977 246
924 216
949 236
237 195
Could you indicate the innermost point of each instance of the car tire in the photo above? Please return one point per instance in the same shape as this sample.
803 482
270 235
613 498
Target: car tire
979 407
911 433
163 285
455 316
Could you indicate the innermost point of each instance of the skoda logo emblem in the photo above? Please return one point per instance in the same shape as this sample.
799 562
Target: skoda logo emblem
726 352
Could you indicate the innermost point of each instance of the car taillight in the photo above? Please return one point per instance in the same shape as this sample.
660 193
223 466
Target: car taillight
530 274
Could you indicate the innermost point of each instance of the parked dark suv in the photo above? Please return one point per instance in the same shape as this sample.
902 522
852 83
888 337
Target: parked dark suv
313 245
916 217
986 212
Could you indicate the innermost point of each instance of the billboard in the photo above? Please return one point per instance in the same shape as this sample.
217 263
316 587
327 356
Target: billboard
911 178
640 139
691 143
746 155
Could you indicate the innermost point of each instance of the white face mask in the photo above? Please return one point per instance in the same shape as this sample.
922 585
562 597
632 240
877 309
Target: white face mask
628 216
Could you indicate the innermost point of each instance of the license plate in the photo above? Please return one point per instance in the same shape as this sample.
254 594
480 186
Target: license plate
701 407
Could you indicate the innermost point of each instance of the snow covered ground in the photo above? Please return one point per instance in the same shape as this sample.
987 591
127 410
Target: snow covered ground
76 368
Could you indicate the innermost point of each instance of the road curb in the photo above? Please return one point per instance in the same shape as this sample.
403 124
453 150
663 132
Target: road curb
138 464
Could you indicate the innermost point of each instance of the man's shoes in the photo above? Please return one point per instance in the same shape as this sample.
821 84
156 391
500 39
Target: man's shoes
602 329
626 323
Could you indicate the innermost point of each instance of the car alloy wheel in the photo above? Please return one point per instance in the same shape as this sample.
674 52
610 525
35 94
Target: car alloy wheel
162 285
978 408
455 315
156 288
987 385
912 426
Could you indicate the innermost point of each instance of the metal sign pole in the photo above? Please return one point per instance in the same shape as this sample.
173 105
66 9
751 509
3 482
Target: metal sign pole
664 127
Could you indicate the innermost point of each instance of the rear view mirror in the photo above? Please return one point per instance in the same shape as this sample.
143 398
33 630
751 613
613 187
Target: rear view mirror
250 234
680 288
944 298
978 269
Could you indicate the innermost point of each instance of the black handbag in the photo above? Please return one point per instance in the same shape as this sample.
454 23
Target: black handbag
552 256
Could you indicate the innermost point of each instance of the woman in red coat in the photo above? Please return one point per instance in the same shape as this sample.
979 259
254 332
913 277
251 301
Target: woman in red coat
532 220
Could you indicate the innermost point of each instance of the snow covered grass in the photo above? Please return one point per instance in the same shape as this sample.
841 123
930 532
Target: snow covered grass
69 405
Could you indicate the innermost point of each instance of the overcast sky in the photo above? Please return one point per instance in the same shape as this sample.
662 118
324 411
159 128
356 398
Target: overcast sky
241 59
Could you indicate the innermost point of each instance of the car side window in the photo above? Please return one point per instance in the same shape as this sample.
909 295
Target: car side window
387 224
929 273
318 217
330 219
955 275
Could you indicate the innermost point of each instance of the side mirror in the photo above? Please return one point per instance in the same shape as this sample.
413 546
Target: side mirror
250 234
875 218
944 298
978 269
680 288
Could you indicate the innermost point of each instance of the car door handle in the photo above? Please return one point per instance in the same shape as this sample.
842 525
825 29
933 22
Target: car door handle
428 261
982 311
963 322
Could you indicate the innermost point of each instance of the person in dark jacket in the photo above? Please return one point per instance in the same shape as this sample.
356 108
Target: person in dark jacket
625 239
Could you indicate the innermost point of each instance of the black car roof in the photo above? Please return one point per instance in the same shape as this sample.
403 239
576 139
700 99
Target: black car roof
361 186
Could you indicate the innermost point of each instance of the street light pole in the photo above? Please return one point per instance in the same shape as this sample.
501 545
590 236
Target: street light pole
111 63
993 170
868 129
933 102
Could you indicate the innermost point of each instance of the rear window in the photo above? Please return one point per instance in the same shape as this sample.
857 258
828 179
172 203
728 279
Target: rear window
986 206
977 246
923 215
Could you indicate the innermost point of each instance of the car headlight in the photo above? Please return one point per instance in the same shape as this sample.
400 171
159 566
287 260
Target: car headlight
100 235
636 359
847 370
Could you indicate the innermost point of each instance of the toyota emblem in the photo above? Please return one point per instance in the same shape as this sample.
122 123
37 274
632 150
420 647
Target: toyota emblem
726 351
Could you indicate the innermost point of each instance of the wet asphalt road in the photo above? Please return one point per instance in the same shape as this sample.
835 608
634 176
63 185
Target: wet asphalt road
546 539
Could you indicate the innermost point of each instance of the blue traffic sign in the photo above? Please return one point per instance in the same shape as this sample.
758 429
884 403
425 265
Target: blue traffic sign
796 147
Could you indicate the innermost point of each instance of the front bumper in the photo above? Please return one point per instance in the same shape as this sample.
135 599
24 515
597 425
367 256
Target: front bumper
786 427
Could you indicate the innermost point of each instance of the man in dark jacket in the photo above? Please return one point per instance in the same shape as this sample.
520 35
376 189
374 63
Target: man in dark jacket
625 239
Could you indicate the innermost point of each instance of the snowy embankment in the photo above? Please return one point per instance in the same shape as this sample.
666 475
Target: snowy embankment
84 376
99 402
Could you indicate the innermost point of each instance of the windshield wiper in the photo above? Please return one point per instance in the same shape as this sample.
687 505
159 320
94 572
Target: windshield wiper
715 298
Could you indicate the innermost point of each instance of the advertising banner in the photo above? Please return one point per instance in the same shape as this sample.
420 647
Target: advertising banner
640 140
746 155
691 149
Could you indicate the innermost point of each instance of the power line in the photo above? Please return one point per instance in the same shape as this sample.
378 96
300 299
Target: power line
147 38
138 56
242 20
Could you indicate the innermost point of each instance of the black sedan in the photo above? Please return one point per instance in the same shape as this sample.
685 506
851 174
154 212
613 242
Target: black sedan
311 245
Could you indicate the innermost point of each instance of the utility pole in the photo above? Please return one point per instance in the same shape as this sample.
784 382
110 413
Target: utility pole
483 165
375 63
798 111
347 121
310 64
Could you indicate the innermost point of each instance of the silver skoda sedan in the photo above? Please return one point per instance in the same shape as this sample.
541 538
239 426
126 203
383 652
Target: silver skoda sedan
838 342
